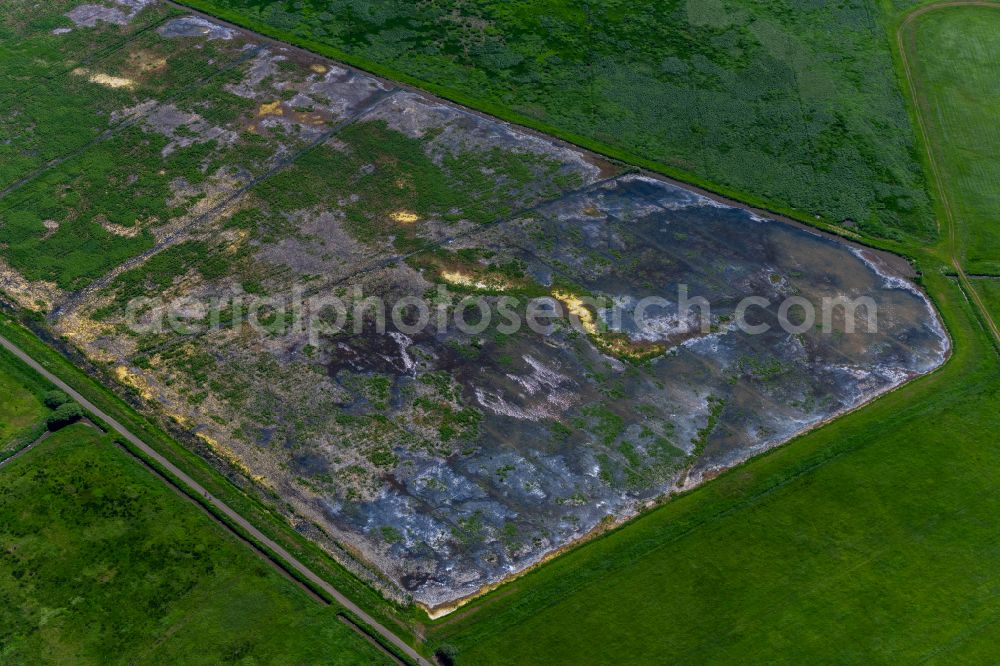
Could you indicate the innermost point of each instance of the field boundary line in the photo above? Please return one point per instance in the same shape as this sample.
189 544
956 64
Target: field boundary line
20 452
359 630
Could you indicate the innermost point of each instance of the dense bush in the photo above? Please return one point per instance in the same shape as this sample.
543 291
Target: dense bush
64 415
55 399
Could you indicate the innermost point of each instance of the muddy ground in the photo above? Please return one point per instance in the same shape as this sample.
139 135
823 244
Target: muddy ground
444 460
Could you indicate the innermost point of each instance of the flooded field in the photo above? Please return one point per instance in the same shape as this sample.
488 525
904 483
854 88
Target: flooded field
433 460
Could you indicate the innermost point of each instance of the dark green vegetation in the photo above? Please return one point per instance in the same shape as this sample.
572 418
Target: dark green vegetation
794 102
102 563
63 415
70 198
107 147
955 53
93 209
42 122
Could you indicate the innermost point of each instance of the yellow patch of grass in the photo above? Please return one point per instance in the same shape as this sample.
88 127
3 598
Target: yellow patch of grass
105 80
37 296
615 344
81 330
486 283
579 309
180 419
620 346
230 457
121 230
239 238
136 381
404 217
271 109
144 62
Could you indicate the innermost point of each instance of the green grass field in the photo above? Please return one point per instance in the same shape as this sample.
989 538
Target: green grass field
22 410
989 291
21 407
955 58
103 563
793 105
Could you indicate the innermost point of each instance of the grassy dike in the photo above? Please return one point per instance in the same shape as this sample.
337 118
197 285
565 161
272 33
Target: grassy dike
399 619
989 289
953 64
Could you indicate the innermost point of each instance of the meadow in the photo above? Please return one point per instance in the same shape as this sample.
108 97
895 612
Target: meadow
22 410
47 106
103 563
955 56
989 291
793 106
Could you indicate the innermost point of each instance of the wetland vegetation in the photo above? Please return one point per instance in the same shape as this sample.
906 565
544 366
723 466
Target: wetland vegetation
167 156
793 104
276 171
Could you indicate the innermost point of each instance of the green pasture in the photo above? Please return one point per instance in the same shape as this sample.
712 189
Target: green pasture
103 563
22 411
955 59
